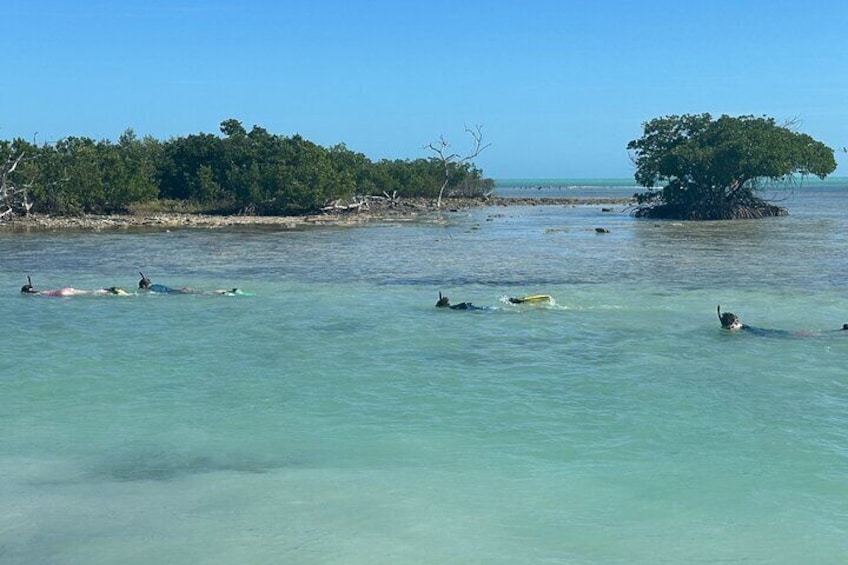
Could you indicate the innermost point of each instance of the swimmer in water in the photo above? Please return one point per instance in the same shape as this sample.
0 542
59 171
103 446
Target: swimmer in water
444 302
730 321
28 289
147 285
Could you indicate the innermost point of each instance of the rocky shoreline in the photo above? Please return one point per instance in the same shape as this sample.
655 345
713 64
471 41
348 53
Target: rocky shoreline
374 211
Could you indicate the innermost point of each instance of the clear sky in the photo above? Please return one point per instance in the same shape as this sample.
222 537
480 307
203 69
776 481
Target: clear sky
558 86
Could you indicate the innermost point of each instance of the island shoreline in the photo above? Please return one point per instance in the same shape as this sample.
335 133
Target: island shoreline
400 210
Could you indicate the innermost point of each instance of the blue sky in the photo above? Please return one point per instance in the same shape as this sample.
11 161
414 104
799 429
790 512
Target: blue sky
559 87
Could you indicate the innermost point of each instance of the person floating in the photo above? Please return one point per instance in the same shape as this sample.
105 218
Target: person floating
147 285
70 291
444 302
730 321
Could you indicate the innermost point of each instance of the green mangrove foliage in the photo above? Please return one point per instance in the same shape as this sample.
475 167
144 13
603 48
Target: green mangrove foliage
713 169
78 175
238 171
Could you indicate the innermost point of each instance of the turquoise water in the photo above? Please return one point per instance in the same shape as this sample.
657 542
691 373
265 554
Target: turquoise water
336 416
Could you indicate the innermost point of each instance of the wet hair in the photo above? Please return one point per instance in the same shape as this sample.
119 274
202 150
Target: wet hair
144 282
443 302
728 319
845 326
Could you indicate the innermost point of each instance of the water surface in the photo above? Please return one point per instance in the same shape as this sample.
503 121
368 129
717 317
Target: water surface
335 416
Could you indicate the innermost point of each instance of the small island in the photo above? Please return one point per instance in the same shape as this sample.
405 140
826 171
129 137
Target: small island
713 169
694 168
240 172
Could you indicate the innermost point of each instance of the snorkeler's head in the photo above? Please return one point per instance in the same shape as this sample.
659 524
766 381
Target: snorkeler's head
27 288
144 283
729 320
443 302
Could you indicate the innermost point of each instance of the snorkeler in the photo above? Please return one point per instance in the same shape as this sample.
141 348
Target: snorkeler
70 291
28 288
147 285
444 302
730 321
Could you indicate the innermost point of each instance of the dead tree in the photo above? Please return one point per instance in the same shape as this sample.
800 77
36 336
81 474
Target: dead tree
447 159
13 198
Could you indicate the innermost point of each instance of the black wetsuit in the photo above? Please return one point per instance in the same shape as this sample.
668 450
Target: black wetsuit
767 332
764 331
464 306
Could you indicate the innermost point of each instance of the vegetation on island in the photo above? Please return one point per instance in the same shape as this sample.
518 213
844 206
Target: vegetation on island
237 172
693 166
714 169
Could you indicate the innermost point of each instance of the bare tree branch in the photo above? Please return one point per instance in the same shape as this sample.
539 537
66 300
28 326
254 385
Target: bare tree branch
10 193
448 159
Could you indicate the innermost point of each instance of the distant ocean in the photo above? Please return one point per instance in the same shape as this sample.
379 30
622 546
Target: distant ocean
334 415
622 187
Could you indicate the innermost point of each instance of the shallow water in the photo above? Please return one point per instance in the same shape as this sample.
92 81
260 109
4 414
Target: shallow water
335 416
